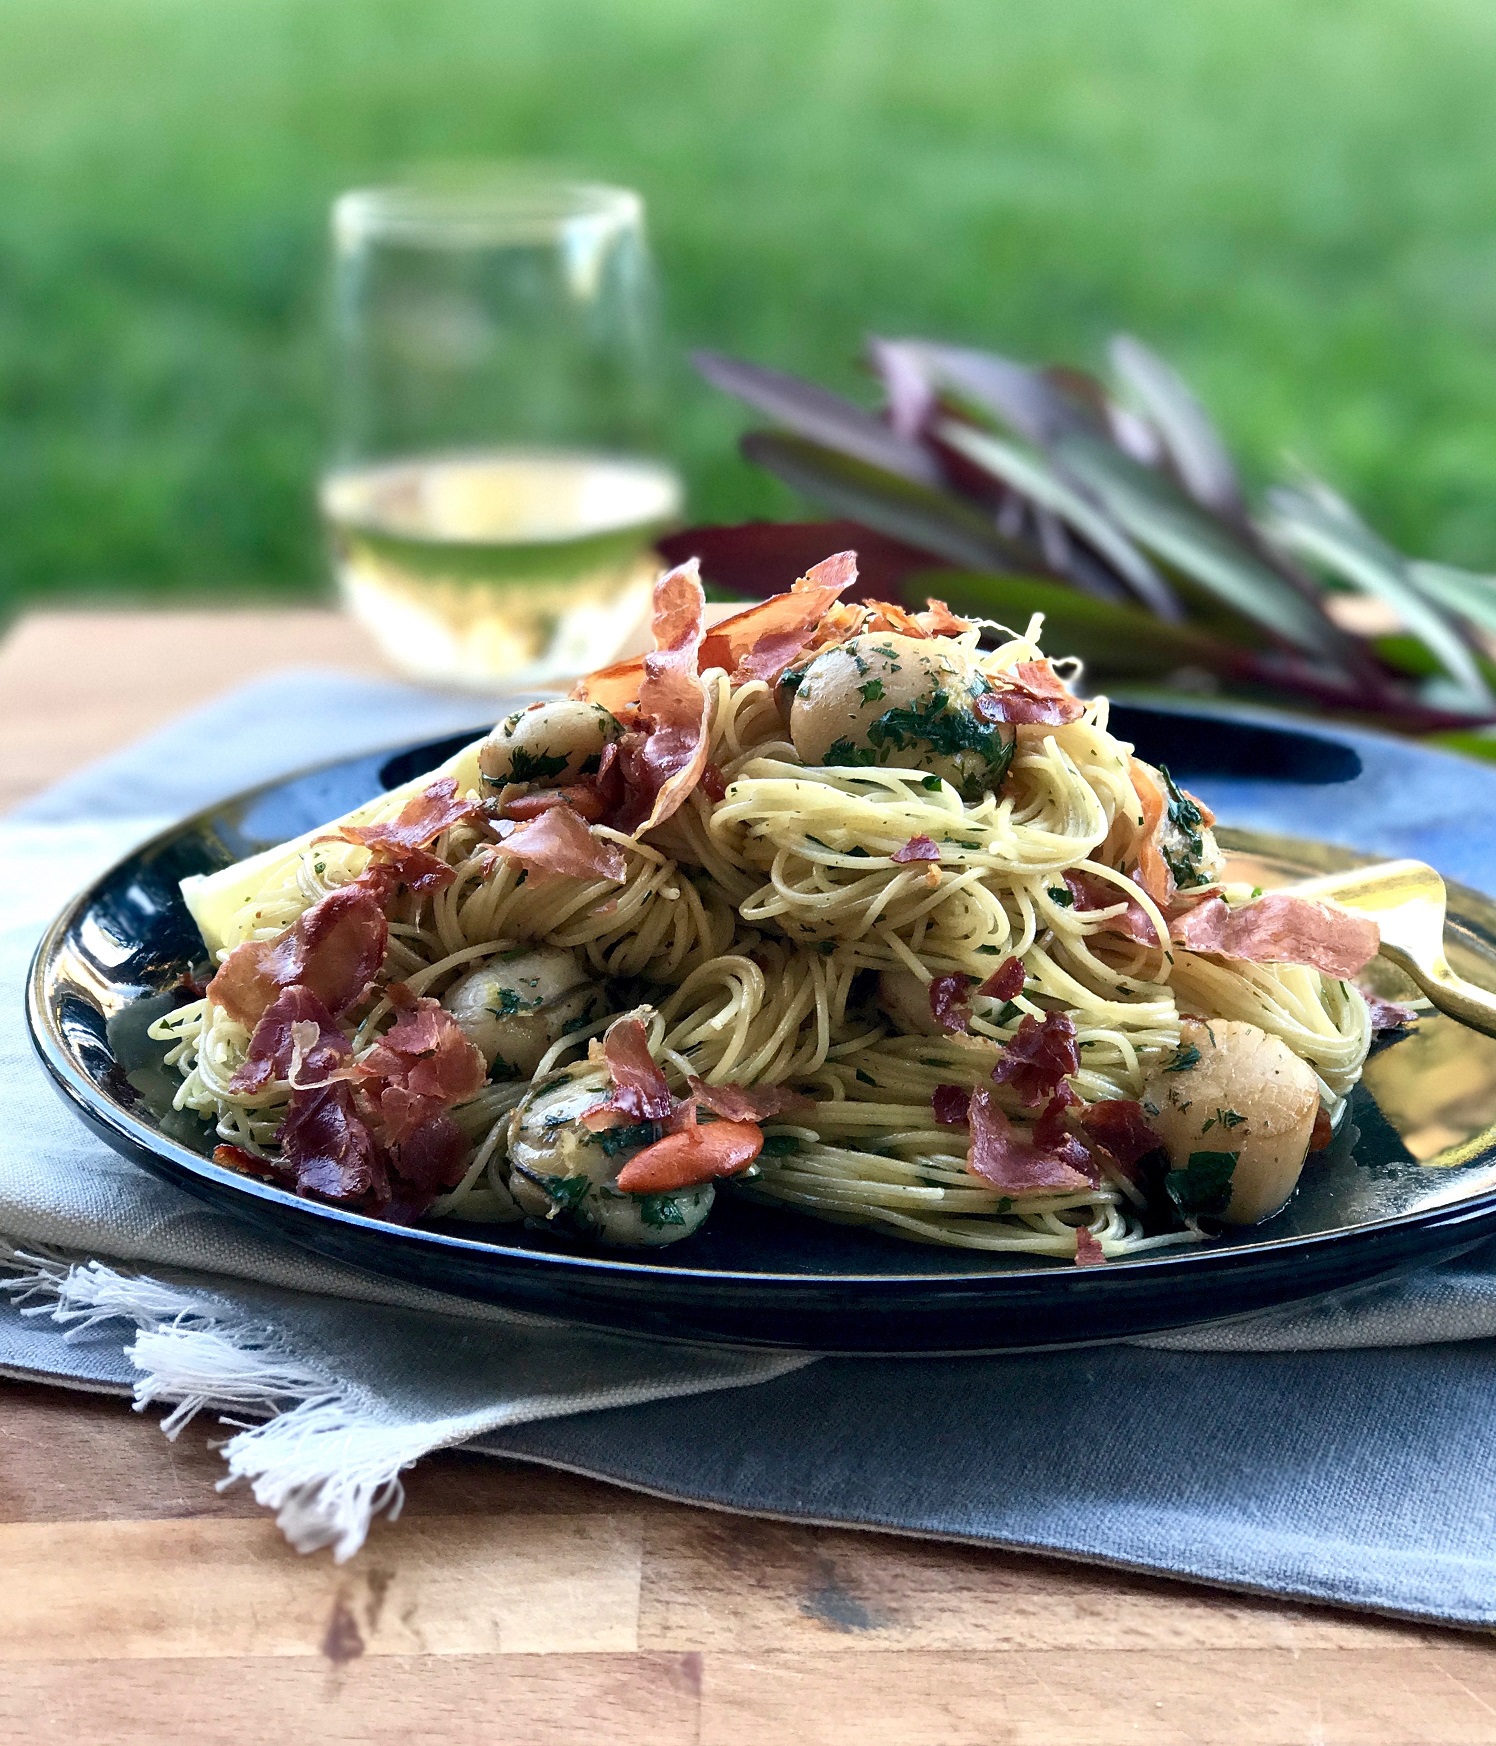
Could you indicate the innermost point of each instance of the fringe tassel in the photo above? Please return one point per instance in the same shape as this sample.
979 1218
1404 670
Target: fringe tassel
319 1460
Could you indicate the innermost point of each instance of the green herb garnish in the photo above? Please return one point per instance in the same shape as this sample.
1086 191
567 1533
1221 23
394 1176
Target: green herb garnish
1061 895
1226 1118
779 1146
948 732
660 1209
567 1192
1189 821
625 1139
534 766
1204 1185
1183 1058
872 691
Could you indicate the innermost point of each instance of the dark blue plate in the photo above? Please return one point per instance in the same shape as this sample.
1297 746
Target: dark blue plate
1410 1179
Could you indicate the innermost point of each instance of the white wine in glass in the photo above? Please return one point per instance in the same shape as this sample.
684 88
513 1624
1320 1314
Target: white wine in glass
469 567
494 495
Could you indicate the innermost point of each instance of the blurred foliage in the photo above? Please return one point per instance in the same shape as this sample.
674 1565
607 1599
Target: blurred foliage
1292 198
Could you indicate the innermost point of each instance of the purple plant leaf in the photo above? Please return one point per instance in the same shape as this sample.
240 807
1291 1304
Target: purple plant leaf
912 399
819 416
1199 458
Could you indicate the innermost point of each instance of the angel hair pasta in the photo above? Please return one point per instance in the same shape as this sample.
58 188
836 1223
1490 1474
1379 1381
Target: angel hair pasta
864 911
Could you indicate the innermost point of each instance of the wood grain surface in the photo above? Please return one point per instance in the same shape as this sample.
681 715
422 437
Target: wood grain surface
510 1604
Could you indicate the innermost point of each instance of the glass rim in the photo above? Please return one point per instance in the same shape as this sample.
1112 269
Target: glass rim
495 209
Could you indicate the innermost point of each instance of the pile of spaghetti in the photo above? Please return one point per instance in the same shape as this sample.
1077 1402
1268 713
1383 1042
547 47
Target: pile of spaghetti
864 909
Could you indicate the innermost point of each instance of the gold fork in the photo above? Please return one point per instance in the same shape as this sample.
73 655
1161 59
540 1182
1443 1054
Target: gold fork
1406 900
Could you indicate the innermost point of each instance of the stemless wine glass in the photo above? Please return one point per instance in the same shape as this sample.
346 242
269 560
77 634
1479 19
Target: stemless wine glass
493 494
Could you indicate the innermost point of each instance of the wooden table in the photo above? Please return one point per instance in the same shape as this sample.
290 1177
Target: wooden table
514 1605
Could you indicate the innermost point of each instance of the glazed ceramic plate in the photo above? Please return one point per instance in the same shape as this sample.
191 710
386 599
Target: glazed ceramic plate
1410 1178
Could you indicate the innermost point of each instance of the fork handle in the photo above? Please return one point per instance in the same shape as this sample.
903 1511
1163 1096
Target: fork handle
1452 994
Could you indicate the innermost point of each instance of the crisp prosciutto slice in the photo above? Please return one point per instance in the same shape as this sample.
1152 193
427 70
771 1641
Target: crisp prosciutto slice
1281 928
558 841
761 642
917 849
1033 694
399 845
420 1068
664 762
664 751
332 1150
433 1157
334 949
1119 1125
1091 892
937 620
1039 1058
1088 1252
950 1105
298 1041
1006 981
950 1000
1052 1162
639 1088
1387 1015
749 1103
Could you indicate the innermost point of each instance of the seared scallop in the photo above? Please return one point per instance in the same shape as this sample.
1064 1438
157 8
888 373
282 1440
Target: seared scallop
1235 1108
550 743
899 701
560 1170
513 1007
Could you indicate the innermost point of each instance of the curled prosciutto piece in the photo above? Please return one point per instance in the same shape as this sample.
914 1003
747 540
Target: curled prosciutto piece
1039 1058
296 1041
1051 1162
334 950
1280 928
558 841
1031 695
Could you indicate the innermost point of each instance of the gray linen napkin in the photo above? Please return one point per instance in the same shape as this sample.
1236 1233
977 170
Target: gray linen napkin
1302 1456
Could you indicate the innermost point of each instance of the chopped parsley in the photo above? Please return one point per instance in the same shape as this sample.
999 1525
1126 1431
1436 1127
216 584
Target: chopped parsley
1204 1185
534 766
1189 822
1061 895
566 1192
779 1146
591 766
509 1002
1225 1118
661 1209
625 1139
1006 1013
947 731
932 784
872 692
1183 1058
992 950
792 680
866 1078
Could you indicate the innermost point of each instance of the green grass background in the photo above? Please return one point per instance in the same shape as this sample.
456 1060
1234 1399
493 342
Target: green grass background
1295 199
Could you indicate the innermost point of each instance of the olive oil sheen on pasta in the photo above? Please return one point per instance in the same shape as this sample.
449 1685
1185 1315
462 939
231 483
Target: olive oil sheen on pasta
472 568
